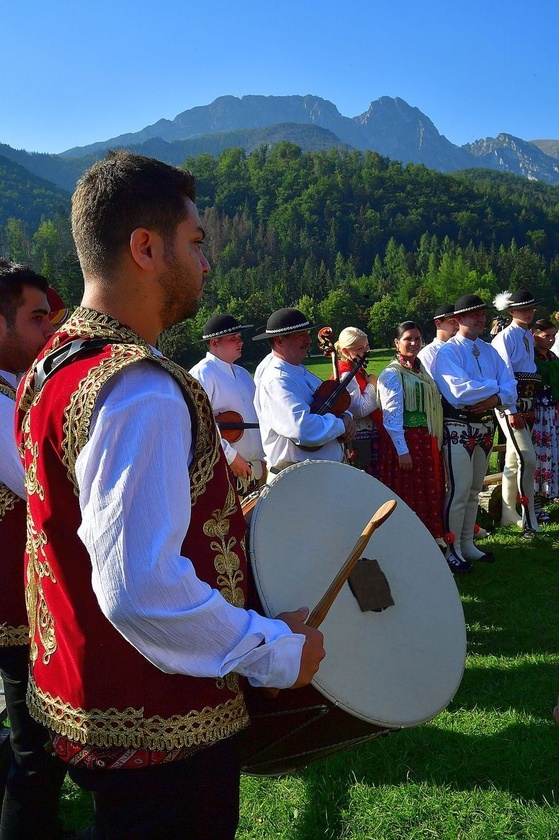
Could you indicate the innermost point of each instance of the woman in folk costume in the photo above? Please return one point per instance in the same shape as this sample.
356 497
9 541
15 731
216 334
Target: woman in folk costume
546 425
411 462
351 346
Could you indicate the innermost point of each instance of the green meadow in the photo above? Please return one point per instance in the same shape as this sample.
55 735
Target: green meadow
487 767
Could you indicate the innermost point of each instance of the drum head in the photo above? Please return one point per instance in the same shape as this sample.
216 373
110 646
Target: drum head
394 668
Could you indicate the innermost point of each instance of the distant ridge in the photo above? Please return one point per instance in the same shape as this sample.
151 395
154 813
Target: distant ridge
389 126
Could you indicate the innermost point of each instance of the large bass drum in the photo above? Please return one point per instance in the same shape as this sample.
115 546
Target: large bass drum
393 666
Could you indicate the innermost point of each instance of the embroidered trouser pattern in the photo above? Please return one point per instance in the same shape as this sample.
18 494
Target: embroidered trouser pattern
466 450
518 474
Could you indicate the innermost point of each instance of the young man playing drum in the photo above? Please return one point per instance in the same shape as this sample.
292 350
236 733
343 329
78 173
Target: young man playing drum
136 557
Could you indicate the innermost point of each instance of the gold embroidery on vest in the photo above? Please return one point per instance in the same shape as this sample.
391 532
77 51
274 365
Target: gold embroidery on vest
11 636
129 728
226 561
7 389
79 411
41 622
8 500
199 727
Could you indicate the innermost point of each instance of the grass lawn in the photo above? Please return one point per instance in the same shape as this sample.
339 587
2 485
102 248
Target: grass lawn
487 767
322 366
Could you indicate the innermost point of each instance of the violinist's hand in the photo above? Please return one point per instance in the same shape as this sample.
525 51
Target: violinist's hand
372 379
313 651
350 428
405 461
241 467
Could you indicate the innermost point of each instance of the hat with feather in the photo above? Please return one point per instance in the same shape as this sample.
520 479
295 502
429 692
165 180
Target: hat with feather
521 299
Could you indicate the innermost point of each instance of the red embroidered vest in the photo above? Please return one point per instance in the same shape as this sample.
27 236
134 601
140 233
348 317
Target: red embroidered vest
14 629
87 683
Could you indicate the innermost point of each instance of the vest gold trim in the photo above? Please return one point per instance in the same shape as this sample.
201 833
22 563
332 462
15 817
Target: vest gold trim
129 728
13 636
8 500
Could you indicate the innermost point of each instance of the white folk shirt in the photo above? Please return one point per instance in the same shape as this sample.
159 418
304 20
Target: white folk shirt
427 354
284 394
515 346
467 372
134 494
391 395
362 403
11 468
231 388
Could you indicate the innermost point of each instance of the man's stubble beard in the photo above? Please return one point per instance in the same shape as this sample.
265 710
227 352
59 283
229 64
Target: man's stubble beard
179 299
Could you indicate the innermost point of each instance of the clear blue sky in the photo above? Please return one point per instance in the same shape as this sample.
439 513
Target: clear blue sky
73 73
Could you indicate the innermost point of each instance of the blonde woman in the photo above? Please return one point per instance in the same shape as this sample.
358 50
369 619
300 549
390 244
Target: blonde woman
352 344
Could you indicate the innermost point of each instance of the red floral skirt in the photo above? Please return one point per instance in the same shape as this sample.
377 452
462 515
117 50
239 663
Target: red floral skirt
422 487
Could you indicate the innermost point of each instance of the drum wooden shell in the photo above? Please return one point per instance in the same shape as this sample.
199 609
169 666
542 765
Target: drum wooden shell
383 670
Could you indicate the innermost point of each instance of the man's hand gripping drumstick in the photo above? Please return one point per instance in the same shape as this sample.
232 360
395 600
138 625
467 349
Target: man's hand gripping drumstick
313 651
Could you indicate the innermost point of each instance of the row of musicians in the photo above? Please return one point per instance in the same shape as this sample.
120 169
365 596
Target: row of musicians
403 445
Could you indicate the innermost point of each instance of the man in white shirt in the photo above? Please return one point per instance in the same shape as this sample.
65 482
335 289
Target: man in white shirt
231 389
515 345
30 806
146 630
285 389
446 326
473 380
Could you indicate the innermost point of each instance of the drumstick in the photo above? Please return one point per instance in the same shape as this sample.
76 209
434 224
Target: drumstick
320 612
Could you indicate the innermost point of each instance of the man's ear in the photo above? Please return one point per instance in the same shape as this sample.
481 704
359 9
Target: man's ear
146 248
3 327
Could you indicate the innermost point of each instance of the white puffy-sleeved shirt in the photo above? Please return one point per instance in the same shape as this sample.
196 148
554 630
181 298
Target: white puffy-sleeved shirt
427 354
391 396
231 388
283 398
363 402
11 468
467 372
515 346
134 495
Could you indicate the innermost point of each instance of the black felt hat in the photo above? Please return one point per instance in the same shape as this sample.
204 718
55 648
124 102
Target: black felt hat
284 321
444 311
522 299
468 303
219 325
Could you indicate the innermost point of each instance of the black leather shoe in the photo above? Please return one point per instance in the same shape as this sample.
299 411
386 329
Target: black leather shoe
457 566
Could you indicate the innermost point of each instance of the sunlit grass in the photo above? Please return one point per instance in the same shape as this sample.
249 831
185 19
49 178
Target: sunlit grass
487 767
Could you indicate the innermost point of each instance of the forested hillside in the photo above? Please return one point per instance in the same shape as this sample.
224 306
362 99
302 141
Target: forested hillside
28 197
349 237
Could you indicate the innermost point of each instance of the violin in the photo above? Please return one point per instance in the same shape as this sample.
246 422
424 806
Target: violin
232 426
332 396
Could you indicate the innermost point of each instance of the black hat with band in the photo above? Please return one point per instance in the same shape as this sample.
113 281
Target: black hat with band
219 326
283 322
444 311
522 299
468 303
